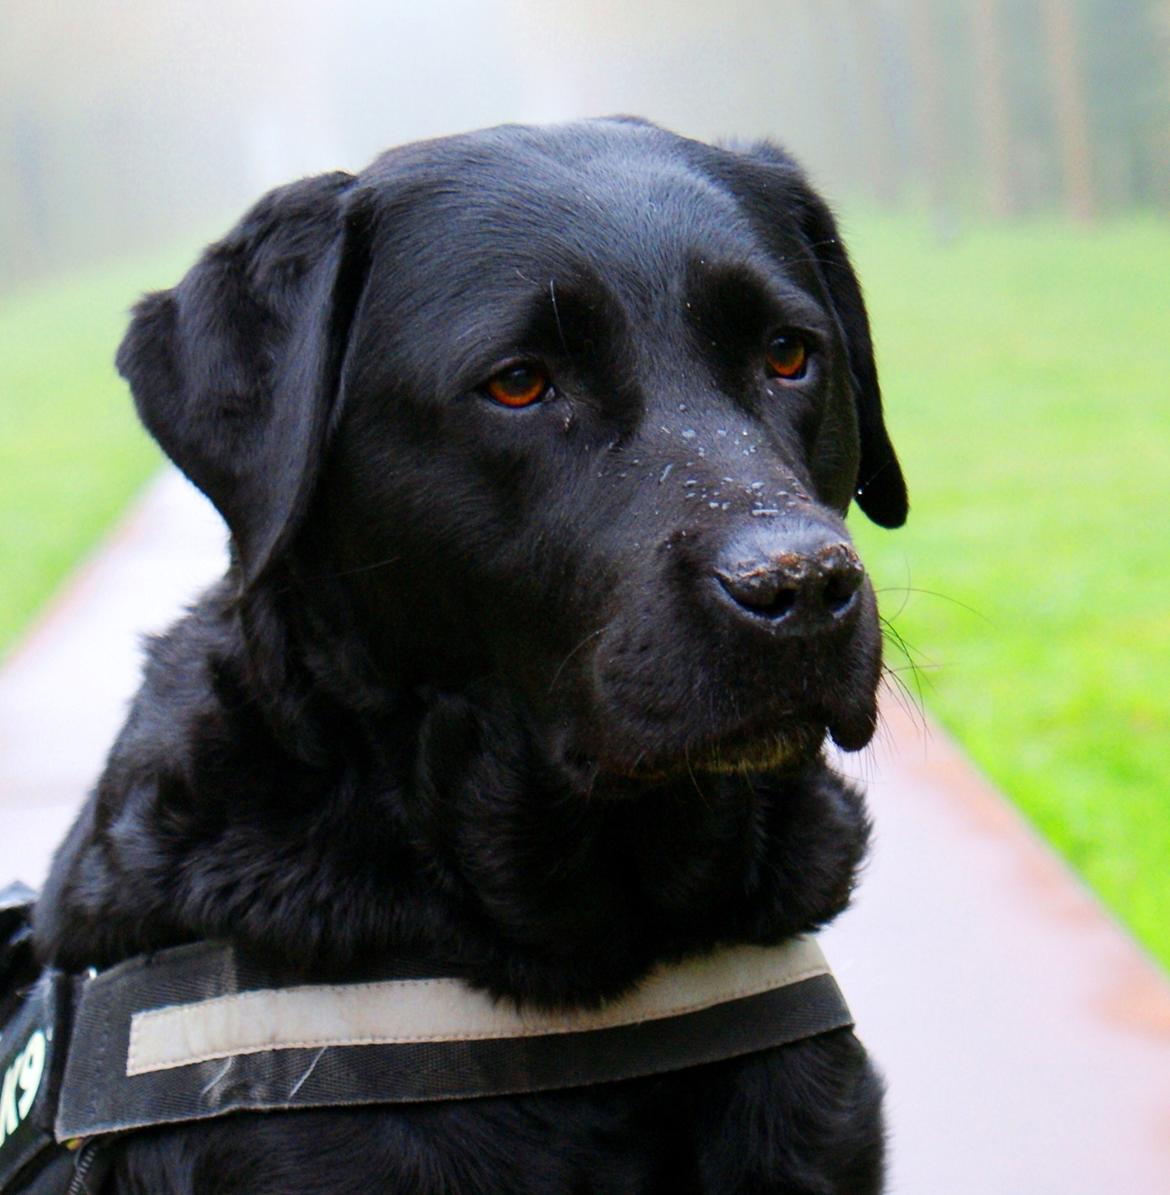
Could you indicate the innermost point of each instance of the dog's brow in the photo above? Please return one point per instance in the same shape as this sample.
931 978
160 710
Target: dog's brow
564 316
753 298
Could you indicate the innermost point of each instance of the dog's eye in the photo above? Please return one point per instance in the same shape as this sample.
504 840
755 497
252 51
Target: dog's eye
518 385
787 356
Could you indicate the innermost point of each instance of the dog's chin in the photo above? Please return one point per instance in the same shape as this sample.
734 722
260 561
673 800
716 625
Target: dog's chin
616 749
790 748
623 765
623 771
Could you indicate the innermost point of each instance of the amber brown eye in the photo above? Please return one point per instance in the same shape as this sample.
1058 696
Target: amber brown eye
518 385
787 356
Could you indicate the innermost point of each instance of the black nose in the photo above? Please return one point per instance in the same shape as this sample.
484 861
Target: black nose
804 579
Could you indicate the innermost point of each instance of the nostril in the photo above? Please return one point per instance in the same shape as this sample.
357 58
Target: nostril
840 590
763 589
749 586
766 596
781 604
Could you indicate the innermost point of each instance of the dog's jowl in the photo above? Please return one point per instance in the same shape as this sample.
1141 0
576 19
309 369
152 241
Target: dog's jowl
535 446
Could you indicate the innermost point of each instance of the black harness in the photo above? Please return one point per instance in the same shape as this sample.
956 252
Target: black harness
200 1031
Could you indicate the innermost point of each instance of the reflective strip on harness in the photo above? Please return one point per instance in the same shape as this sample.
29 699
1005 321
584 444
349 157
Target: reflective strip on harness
196 1032
402 1011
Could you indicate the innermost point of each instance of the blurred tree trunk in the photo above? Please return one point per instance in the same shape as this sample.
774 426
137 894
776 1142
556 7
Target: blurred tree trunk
928 82
992 108
1163 181
26 235
877 118
1068 107
838 131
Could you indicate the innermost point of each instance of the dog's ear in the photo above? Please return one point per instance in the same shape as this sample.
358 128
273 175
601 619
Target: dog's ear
236 370
771 182
881 489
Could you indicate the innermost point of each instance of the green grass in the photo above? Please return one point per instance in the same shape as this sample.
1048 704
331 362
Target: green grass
71 450
1027 380
1027 386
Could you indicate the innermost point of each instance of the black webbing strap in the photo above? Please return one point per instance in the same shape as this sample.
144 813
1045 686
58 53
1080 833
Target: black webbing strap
98 1096
185 1035
30 1073
35 1009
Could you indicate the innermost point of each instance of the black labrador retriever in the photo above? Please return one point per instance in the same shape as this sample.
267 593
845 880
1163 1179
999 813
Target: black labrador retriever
535 447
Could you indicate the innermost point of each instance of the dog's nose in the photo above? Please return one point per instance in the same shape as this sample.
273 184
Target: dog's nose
803 579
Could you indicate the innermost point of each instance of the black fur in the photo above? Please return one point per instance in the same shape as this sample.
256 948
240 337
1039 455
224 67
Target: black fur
470 687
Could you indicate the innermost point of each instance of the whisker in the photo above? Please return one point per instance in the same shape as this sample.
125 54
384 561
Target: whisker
946 597
912 702
359 568
552 291
909 702
561 667
691 774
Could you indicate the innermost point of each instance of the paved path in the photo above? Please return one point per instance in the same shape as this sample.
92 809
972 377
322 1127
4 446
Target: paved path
64 690
1025 1040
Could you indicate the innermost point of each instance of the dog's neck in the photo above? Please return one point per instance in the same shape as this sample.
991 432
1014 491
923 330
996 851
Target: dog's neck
431 826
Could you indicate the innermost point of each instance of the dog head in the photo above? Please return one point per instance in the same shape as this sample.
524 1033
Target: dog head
577 412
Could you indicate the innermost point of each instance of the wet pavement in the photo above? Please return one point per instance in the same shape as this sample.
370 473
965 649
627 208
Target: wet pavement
1024 1038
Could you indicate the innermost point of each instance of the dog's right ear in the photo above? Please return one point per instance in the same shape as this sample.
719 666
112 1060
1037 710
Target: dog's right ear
236 370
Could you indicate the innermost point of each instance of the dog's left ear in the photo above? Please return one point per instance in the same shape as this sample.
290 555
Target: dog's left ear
236 370
881 489
775 190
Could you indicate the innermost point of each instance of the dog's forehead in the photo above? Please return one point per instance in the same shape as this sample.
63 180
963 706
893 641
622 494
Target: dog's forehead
623 204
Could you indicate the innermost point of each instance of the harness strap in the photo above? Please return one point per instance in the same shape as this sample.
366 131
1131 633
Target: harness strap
196 1032
201 1031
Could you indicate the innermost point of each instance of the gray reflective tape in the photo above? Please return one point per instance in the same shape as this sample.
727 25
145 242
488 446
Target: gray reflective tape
401 1011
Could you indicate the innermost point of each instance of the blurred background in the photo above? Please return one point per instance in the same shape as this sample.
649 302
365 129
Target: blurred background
1002 168
122 123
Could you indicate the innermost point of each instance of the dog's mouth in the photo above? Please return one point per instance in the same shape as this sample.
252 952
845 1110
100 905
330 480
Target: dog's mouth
777 749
